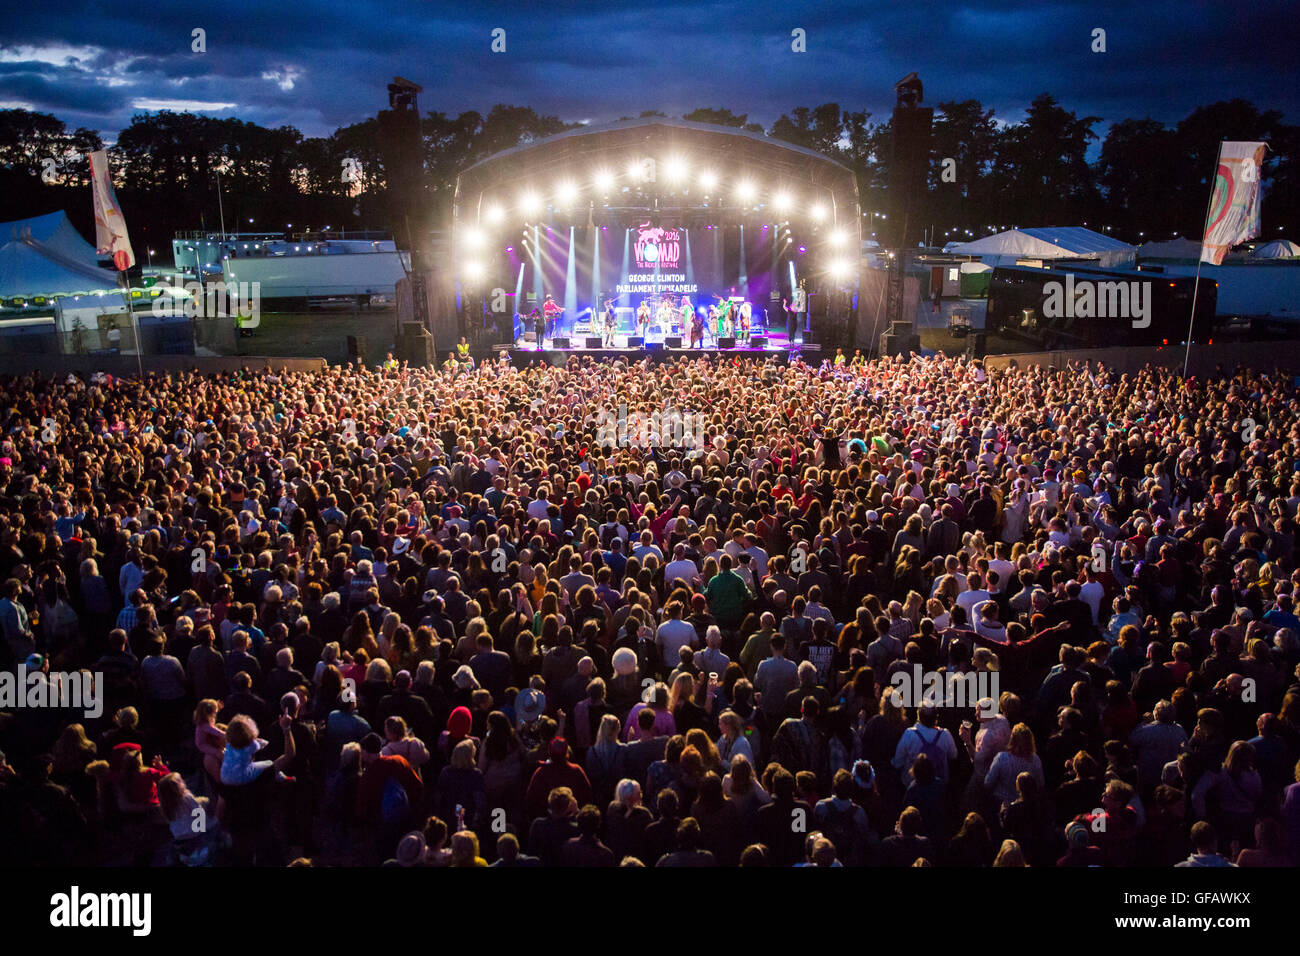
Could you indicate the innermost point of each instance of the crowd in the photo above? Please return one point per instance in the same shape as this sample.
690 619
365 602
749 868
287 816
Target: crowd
444 616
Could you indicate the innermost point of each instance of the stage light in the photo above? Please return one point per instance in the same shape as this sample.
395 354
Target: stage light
530 204
634 170
708 179
745 190
840 270
781 202
818 212
839 237
566 193
604 180
675 169
494 213
473 238
473 271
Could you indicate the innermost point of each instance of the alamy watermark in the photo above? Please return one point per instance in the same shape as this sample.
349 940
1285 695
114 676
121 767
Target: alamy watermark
668 428
241 300
79 690
917 688
76 909
1092 299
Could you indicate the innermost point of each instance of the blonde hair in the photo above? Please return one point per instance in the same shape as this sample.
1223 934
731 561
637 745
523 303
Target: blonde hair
1010 854
463 754
1021 743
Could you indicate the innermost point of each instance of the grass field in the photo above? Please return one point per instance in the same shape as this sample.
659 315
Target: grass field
321 334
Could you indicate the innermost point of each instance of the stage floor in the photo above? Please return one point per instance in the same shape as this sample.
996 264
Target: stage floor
525 351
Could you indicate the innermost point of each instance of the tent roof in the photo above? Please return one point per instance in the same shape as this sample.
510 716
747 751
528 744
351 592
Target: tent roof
31 268
1178 247
1046 242
1277 249
54 231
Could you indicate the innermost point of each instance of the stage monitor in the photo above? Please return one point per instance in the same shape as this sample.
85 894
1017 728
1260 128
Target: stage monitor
561 342
635 341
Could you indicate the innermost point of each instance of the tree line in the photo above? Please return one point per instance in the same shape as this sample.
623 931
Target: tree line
1148 179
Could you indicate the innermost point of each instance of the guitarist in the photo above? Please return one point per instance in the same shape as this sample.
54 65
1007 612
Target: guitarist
550 314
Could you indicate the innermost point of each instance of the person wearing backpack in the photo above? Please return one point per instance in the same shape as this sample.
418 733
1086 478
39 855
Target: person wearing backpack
846 825
800 745
924 737
387 808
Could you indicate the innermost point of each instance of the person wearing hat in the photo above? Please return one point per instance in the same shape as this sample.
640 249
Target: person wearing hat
1080 852
530 705
411 851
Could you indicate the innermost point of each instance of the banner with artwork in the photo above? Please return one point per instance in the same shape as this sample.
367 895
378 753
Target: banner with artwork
1234 204
110 227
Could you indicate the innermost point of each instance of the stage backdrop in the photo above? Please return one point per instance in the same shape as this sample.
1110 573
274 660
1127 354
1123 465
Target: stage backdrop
580 266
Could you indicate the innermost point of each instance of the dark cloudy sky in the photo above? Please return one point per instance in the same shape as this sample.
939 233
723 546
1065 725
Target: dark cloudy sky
319 64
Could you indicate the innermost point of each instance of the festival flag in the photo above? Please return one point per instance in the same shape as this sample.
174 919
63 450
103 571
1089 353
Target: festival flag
1233 216
110 227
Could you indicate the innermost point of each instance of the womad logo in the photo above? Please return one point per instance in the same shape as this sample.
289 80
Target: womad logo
656 246
1089 299
242 300
75 909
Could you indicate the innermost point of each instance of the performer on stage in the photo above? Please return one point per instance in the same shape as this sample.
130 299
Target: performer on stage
663 319
611 321
697 329
687 313
724 316
551 313
539 326
642 318
794 312
746 320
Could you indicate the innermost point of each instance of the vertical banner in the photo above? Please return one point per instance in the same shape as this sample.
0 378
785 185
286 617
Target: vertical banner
1233 216
110 227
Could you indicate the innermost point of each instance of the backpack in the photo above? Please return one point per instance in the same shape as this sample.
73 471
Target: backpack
838 826
934 750
394 806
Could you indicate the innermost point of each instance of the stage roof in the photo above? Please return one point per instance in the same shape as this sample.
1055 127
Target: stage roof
728 152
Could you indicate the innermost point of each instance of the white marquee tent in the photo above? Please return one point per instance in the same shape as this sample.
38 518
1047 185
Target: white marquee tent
1047 242
1277 249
